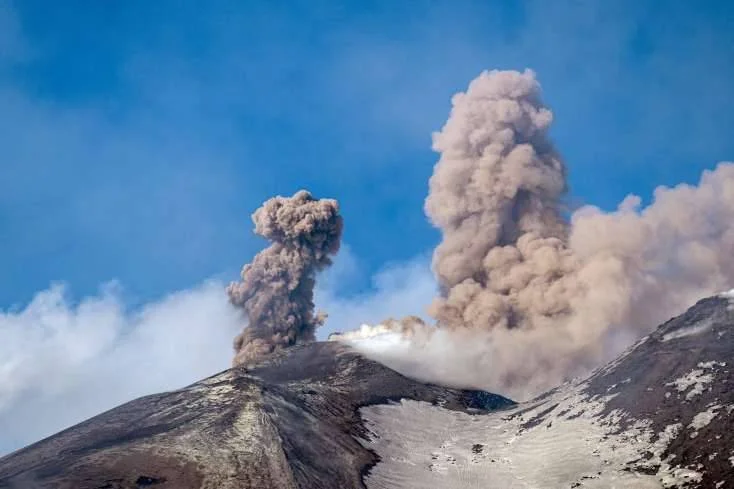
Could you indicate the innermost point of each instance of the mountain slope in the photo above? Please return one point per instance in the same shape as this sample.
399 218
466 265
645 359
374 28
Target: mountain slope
289 422
661 415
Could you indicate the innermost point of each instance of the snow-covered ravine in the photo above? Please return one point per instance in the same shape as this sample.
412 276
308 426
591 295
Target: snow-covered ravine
660 416
560 442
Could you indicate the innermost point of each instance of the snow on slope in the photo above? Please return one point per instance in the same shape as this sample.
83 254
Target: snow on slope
427 446
660 416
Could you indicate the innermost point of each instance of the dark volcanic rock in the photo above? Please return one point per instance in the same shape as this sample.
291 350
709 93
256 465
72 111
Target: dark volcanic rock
290 422
683 370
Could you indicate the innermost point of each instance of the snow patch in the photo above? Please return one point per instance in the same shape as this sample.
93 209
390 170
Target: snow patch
680 476
567 439
696 379
702 419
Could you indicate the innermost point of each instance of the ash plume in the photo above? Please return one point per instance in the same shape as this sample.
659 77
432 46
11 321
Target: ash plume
276 290
495 196
529 298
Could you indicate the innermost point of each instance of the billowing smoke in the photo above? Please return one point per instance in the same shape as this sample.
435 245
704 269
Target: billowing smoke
528 297
495 195
277 288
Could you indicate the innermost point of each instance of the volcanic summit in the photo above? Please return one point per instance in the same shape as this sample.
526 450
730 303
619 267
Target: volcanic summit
320 415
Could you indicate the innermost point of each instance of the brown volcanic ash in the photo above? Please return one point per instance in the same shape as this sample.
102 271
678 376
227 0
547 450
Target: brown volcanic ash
528 298
555 295
504 265
495 196
277 288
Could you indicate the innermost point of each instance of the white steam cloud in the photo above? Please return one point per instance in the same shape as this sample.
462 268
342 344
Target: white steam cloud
62 362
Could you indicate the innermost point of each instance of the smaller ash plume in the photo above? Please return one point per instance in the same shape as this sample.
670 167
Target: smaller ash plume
277 288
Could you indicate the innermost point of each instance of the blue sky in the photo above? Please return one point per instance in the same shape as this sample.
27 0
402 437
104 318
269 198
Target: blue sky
138 136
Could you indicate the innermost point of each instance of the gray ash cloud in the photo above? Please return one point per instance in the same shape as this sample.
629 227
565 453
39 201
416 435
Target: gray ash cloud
276 289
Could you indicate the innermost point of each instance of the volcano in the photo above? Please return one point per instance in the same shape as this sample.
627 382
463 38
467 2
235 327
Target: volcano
320 415
289 422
